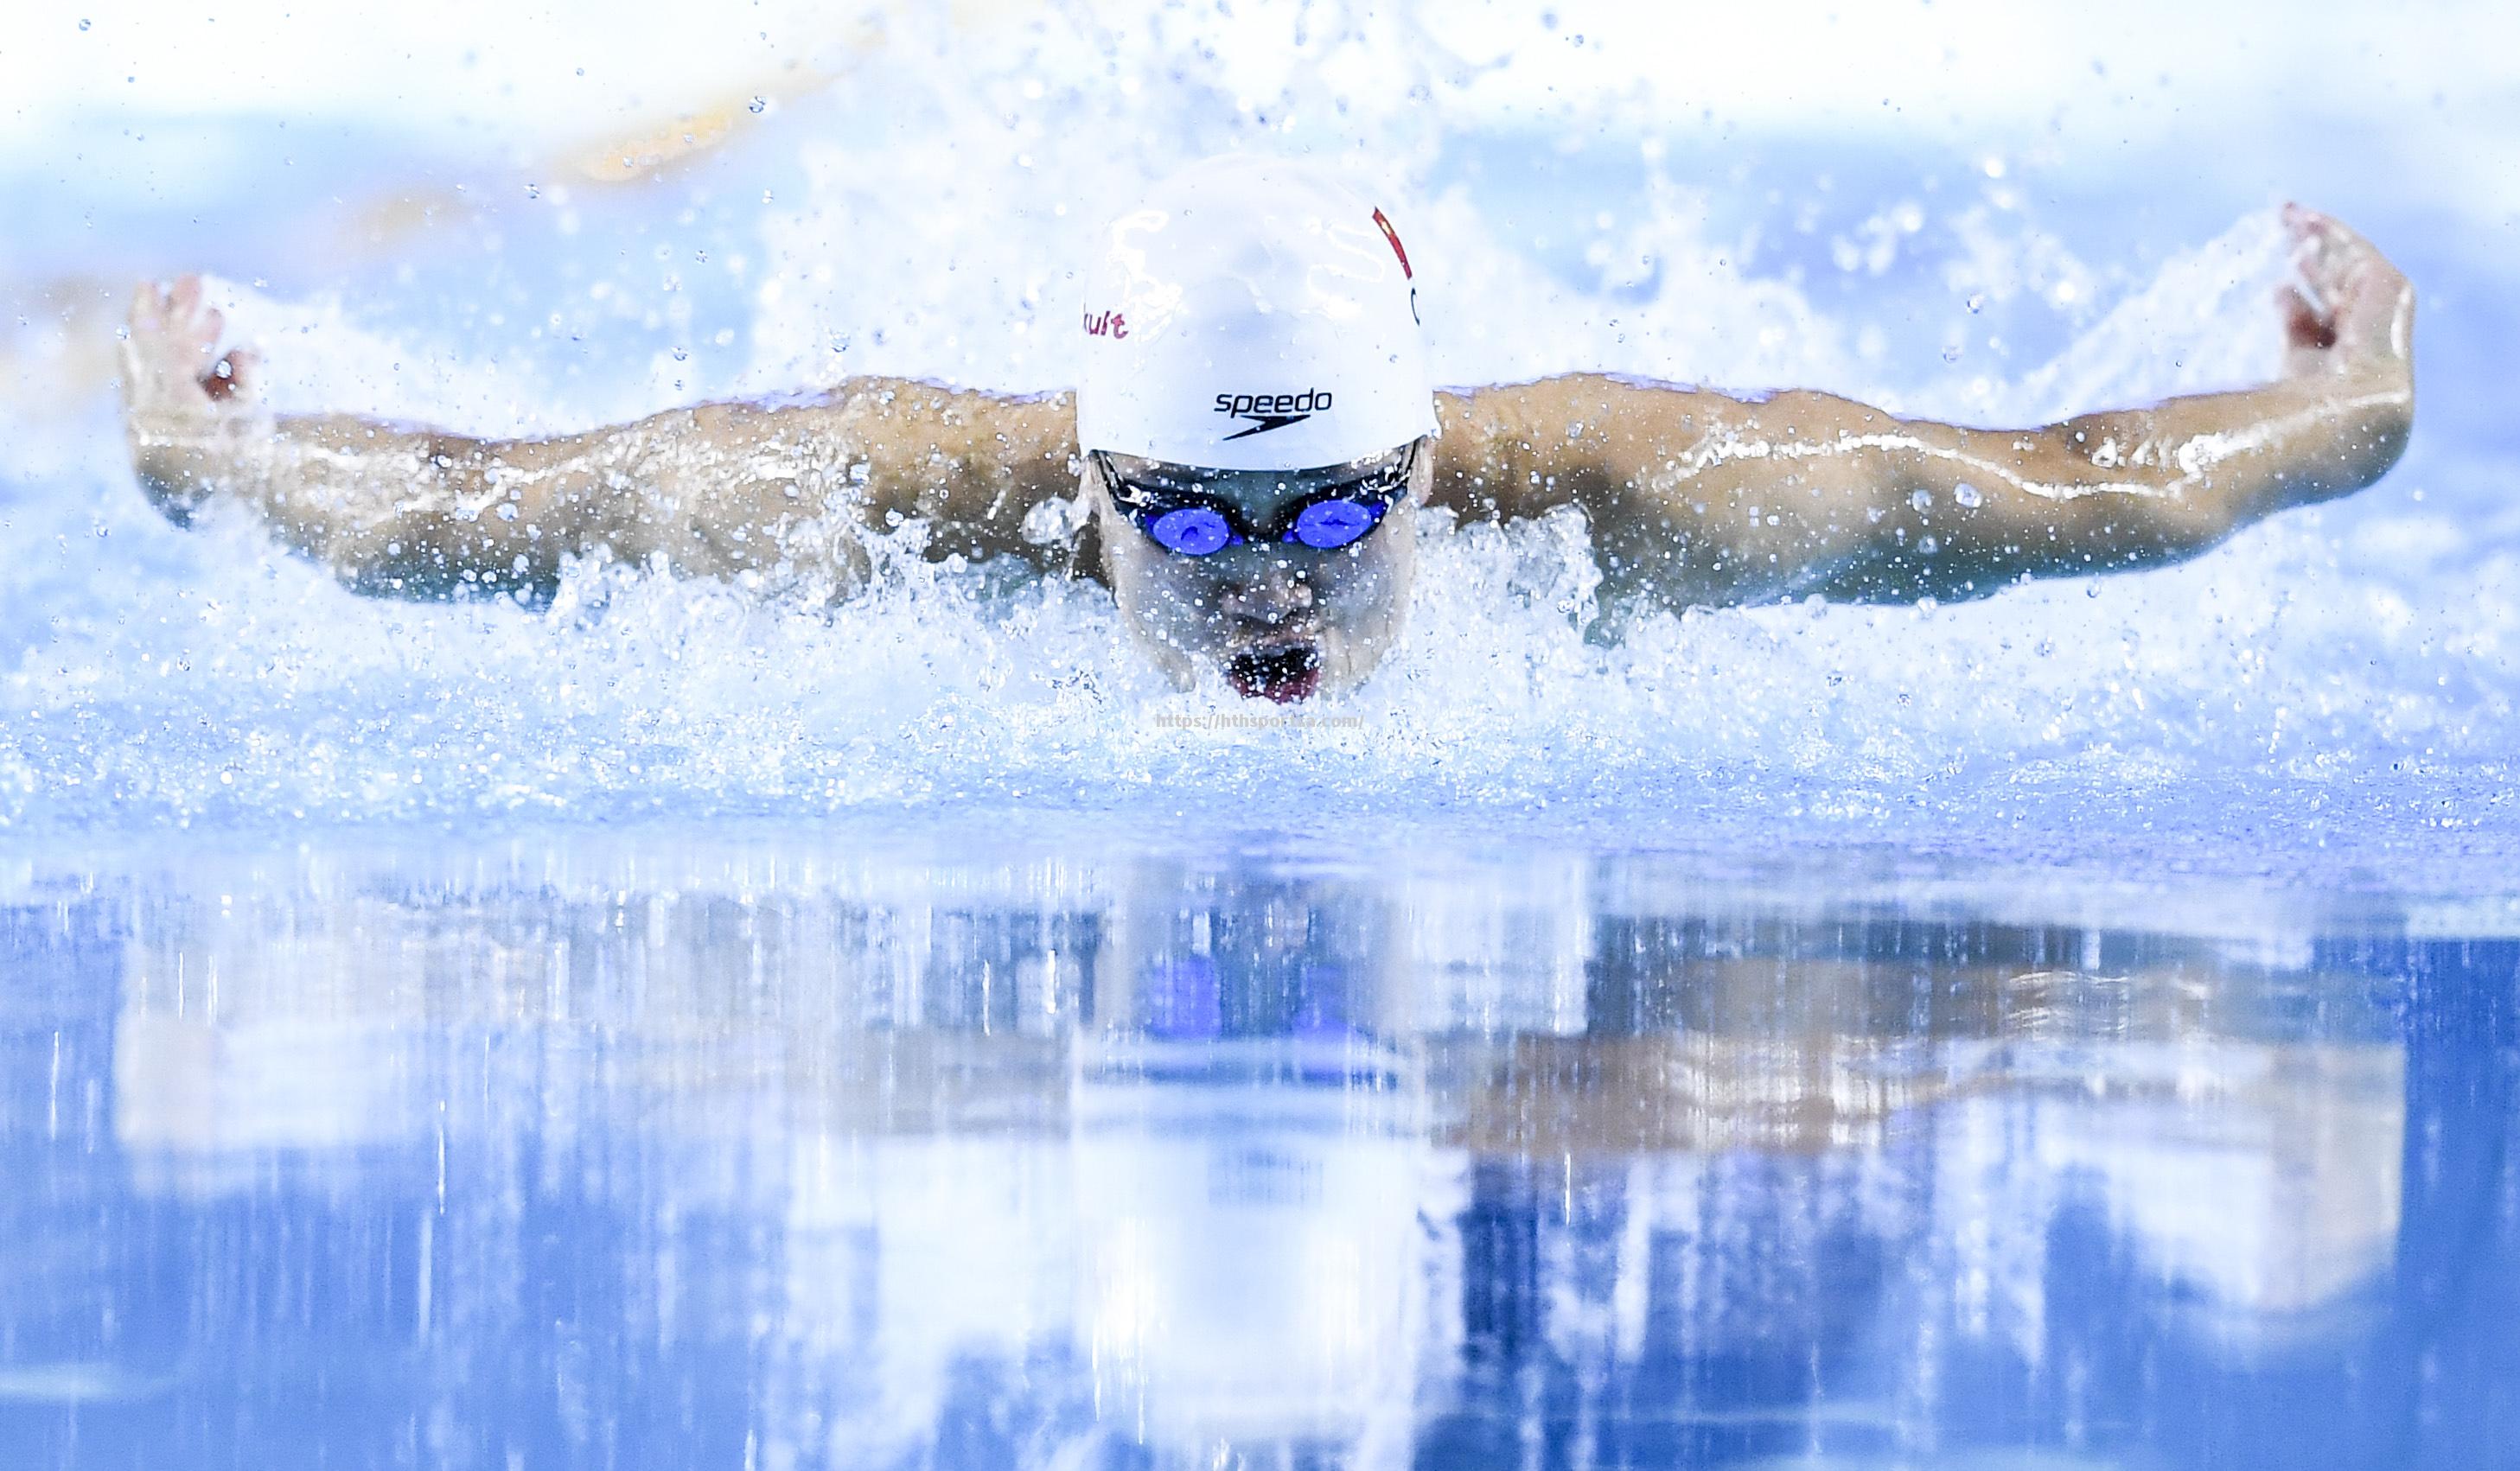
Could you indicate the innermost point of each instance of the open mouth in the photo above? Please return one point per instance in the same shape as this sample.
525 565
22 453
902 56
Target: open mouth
1284 673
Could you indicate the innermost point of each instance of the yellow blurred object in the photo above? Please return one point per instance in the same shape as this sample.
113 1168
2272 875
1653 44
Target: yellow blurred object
628 160
632 156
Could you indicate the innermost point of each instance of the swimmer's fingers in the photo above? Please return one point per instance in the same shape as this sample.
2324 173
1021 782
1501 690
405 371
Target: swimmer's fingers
147 306
155 366
192 317
140 327
2306 327
175 313
2352 307
2314 342
170 350
2310 225
2375 308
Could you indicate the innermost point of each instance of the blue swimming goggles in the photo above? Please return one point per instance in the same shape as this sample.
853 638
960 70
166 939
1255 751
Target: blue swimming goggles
1193 512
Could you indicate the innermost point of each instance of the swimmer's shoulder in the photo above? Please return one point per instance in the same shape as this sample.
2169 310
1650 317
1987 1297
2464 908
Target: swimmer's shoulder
1591 399
801 422
794 409
877 399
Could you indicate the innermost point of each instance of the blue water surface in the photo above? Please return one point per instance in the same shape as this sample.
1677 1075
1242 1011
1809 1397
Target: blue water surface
1065 1151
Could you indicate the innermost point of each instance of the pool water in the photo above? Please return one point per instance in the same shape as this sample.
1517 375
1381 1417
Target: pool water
1078 1150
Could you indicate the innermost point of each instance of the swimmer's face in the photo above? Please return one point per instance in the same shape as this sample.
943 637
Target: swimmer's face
1279 620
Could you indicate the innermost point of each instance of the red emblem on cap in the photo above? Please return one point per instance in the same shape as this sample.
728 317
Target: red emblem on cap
1397 248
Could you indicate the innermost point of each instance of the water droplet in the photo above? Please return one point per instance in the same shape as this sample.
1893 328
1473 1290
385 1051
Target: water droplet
1952 354
1966 494
1977 302
533 190
761 104
1922 500
83 24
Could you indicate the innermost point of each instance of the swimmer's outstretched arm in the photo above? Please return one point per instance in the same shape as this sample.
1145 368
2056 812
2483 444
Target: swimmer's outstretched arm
1698 498
1692 497
722 489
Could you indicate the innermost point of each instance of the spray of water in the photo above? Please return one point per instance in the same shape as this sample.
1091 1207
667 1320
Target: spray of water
927 220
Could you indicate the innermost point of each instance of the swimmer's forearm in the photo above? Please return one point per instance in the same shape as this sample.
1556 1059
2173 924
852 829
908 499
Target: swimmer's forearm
386 507
2250 454
1965 510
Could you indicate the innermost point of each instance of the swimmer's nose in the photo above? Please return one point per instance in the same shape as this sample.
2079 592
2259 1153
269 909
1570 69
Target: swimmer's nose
1272 598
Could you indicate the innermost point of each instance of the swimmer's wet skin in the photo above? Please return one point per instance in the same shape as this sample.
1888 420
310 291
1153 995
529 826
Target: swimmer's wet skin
1184 472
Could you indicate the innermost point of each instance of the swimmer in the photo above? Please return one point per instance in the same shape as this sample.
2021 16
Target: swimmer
1252 442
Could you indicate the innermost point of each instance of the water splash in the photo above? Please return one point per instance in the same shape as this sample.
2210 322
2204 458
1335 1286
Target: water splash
2349 669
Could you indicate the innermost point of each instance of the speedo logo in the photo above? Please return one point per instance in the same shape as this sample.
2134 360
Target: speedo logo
1273 411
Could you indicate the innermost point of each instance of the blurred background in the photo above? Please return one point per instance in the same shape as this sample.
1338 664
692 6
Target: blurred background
312 148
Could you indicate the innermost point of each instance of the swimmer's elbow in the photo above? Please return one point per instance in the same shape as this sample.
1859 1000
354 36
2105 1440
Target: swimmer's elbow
2388 437
169 477
175 496
2360 454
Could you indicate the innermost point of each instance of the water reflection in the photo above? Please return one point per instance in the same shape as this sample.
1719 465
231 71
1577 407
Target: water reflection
1127 1161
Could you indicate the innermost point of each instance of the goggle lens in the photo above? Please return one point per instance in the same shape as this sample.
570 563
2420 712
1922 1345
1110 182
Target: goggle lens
1192 531
1325 525
1350 502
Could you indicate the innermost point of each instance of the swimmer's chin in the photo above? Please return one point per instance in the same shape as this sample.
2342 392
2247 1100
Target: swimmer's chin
1283 672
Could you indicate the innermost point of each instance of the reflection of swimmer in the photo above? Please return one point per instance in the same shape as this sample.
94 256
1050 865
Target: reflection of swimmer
1247 1250
1253 408
1250 1155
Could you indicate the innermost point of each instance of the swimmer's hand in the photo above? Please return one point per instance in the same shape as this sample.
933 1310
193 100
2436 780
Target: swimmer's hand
179 391
171 363
2353 314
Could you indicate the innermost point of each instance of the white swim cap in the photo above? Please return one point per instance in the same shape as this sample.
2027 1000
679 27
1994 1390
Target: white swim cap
1252 314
